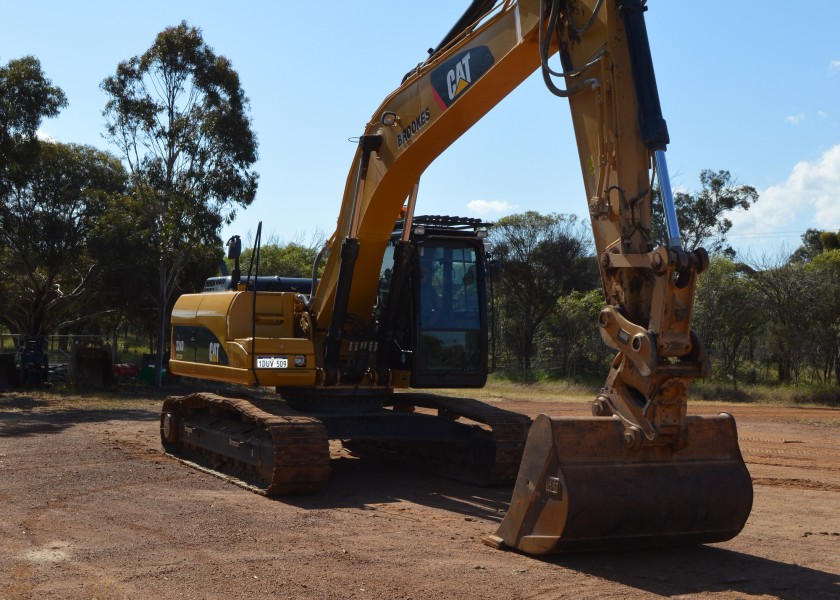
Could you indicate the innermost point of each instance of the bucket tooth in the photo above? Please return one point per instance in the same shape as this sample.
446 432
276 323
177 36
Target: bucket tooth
581 487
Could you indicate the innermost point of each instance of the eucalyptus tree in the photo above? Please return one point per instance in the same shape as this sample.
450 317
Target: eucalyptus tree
704 216
729 314
789 292
289 259
47 271
26 98
823 348
180 119
543 257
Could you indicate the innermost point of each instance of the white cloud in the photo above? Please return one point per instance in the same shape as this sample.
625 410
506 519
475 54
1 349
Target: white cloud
834 67
795 119
44 136
808 197
822 114
490 207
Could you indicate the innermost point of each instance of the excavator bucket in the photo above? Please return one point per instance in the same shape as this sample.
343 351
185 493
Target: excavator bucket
580 487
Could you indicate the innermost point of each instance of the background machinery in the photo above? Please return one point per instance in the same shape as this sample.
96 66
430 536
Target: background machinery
402 303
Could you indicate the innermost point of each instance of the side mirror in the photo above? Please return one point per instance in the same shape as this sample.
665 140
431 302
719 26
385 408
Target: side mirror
234 250
234 247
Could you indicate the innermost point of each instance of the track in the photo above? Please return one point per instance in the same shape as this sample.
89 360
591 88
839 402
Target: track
274 453
272 449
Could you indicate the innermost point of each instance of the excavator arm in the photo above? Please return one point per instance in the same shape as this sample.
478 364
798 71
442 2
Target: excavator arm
621 135
649 292
596 482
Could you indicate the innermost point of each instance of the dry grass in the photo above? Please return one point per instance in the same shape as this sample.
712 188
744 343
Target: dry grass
61 398
776 395
819 422
497 389
500 389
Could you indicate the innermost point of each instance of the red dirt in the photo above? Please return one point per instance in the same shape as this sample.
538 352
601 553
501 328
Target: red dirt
93 509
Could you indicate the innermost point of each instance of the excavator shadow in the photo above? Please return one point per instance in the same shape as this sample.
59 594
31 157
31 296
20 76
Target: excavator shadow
361 483
666 572
673 572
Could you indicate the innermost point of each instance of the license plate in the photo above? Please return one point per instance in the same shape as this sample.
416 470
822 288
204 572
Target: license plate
272 362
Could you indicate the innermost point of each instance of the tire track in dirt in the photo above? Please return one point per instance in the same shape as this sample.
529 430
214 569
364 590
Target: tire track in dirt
805 484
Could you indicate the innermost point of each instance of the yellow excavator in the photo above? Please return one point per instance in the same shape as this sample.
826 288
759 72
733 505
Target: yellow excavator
399 301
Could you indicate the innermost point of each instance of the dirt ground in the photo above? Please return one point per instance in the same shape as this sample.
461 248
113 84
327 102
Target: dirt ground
91 508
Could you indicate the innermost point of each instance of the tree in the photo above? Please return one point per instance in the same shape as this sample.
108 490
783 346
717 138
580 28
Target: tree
128 274
823 349
26 98
830 240
543 257
571 338
180 119
46 221
811 246
702 217
814 243
789 293
728 314
291 259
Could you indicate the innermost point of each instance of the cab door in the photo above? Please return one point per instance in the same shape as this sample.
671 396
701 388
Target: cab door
450 316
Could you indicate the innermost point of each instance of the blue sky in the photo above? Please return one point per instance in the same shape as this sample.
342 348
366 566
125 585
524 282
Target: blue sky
751 87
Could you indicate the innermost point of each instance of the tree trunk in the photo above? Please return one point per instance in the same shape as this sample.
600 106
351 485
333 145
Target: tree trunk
160 324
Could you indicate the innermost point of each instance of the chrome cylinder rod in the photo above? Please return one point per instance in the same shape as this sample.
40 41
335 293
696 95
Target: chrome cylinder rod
671 224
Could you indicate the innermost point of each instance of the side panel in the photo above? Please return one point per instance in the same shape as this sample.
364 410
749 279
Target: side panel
212 338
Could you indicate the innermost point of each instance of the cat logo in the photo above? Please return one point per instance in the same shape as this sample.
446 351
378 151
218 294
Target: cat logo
214 352
457 74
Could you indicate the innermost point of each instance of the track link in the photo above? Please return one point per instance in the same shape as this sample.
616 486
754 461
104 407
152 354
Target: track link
264 446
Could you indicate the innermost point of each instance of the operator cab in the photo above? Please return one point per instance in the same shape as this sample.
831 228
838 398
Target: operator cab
440 320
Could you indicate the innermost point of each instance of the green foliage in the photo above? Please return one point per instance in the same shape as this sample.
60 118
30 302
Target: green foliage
286 260
814 242
728 315
823 351
810 248
571 343
179 116
543 257
129 264
788 291
830 240
26 98
47 221
703 216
